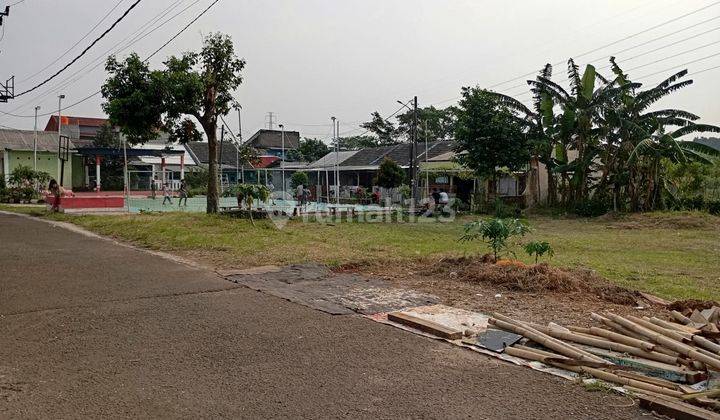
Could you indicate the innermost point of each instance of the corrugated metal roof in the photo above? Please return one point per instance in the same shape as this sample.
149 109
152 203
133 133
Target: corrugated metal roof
400 153
22 140
329 159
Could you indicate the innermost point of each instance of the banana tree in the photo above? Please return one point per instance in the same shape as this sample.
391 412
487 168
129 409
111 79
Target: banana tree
650 152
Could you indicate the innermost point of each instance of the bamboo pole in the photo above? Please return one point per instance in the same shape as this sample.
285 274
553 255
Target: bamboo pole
615 326
675 335
546 340
611 345
655 381
620 338
530 329
681 348
681 318
673 326
597 373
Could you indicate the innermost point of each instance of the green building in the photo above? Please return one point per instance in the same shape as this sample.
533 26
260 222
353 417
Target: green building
18 148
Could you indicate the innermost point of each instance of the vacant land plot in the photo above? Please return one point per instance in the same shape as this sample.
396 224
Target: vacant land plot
674 255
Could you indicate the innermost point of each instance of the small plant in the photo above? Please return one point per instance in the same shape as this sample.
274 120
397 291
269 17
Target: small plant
495 232
538 249
248 193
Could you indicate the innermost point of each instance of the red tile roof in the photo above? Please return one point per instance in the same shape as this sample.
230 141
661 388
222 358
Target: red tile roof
265 161
85 121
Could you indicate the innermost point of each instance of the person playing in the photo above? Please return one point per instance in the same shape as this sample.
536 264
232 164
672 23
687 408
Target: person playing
183 192
306 197
271 188
167 194
444 200
56 192
436 196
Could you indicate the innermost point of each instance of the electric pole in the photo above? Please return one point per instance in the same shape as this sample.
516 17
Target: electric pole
413 157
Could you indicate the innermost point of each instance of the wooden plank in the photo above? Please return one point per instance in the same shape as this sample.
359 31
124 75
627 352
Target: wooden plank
675 409
424 325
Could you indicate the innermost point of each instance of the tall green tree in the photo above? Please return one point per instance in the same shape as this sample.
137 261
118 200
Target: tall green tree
489 136
196 84
433 123
358 142
390 174
385 131
311 150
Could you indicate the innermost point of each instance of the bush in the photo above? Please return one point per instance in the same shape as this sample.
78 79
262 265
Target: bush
597 205
692 203
713 207
192 192
390 174
197 179
299 178
495 232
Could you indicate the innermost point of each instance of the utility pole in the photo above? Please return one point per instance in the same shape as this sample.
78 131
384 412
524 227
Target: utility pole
37 108
427 167
282 157
62 168
413 157
222 140
242 169
337 162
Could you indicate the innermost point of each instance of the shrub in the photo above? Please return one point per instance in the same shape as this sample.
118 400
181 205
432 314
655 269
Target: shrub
197 179
597 205
713 207
539 249
299 178
495 232
390 174
192 192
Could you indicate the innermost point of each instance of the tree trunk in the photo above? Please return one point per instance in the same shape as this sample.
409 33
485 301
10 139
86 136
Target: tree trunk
552 186
213 199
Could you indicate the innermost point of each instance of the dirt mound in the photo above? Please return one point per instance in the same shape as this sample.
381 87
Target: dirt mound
689 305
535 278
674 220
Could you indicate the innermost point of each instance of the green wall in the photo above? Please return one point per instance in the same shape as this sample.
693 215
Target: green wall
46 162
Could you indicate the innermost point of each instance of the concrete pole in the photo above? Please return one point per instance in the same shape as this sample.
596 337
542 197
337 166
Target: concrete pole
60 162
282 156
97 173
35 141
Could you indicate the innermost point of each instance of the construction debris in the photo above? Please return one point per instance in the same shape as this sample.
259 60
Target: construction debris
671 364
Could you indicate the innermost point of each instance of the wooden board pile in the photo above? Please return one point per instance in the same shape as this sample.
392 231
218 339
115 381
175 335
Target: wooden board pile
657 360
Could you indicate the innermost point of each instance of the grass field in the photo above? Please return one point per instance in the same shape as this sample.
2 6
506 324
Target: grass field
674 255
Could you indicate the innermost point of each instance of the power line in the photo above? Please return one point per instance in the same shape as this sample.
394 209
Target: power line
84 51
75 44
182 30
673 56
617 41
98 92
138 35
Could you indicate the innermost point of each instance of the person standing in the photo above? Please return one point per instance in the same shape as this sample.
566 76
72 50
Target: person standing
183 192
167 194
153 188
56 192
444 200
271 188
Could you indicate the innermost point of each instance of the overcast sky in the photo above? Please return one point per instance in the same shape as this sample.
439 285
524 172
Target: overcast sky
311 59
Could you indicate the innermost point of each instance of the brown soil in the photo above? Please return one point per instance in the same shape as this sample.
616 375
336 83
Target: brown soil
539 293
686 307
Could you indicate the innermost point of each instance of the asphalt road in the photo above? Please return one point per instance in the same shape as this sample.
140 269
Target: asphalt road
89 328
